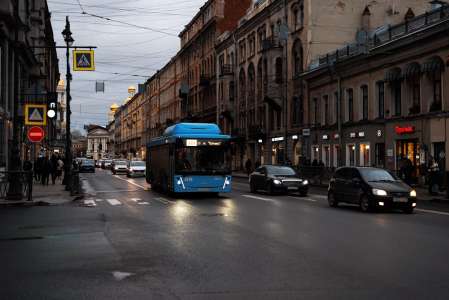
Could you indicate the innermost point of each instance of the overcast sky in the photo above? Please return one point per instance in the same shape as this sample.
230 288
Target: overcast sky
123 49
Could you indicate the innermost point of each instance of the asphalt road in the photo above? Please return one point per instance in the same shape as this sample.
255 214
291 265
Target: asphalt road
127 242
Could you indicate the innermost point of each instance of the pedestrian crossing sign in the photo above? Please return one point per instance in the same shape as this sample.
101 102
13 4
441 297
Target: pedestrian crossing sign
83 60
36 114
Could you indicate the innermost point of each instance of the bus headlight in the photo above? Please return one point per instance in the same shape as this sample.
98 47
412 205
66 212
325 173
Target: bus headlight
227 182
181 182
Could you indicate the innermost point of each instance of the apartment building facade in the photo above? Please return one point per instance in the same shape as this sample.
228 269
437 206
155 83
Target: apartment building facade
381 105
262 97
28 74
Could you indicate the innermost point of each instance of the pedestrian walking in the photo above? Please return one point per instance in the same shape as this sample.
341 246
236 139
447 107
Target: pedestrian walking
53 168
433 170
45 171
37 169
248 166
59 168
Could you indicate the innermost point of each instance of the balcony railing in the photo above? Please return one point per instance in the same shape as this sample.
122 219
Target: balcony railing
226 69
270 43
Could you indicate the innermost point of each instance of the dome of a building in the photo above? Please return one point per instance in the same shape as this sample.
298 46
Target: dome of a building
114 107
131 89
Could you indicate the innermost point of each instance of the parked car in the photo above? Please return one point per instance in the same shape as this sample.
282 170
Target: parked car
277 179
370 188
136 168
106 164
87 166
119 166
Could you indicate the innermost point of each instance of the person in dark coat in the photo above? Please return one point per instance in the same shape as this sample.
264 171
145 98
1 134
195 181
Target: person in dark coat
37 169
248 166
53 168
45 171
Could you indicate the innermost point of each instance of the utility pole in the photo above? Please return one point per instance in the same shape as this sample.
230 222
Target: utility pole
67 34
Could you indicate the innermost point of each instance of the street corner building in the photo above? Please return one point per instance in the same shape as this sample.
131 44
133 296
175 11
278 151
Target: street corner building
383 98
29 74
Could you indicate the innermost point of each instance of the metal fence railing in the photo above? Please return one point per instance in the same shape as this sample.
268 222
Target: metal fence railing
16 185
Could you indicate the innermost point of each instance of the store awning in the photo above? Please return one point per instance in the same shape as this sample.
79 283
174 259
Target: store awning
394 74
412 70
433 64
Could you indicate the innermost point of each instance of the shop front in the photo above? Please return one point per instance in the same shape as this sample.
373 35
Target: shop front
277 150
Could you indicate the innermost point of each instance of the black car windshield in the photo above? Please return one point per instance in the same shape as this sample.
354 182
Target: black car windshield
120 162
373 175
280 171
137 164
203 160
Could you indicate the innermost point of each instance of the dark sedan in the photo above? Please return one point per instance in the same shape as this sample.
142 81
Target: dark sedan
87 166
277 179
371 188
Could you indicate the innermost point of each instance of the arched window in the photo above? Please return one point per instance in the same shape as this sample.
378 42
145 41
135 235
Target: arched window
242 87
278 70
251 83
297 54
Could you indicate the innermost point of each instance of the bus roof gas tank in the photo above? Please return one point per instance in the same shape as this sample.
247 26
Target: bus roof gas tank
194 129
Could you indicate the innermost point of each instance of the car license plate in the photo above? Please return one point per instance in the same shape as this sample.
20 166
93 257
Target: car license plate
400 200
203 189
292 188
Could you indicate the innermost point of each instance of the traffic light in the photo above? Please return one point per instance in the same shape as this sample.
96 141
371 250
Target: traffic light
52 105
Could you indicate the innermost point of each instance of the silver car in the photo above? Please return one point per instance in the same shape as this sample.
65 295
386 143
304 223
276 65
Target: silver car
136 168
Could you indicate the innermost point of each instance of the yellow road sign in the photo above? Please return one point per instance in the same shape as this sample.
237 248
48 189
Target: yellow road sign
83 60
36 114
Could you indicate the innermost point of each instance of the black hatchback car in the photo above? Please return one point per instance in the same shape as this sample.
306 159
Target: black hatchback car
371 188
277 179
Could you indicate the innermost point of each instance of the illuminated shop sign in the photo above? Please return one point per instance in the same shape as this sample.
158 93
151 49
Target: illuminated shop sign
325 137
352 135
361 134
404 129
277 139
295 137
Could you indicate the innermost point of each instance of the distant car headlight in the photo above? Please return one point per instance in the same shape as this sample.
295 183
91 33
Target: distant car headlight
412 193
378 192
277 181
305 182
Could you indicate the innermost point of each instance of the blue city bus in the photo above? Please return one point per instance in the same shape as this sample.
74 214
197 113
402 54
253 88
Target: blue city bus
190 158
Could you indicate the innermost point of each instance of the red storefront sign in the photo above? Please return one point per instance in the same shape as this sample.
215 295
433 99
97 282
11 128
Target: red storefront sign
36 134
404 129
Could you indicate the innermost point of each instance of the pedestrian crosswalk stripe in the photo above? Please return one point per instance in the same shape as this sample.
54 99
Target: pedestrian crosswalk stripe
99 200
114 202
143 203
89 203
258 198
136 199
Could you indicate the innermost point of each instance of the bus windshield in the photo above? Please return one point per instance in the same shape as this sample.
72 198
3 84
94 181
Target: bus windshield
203 160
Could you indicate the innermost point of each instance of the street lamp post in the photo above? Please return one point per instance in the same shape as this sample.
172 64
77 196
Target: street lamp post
67 34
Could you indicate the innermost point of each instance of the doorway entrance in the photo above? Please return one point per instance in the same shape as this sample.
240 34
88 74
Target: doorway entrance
408 150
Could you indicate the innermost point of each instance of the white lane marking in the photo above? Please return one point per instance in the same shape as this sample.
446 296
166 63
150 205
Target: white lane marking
135 199
322 197
114 202
259 198
303 198
99 200
130 182
432 211
121 275
89 203
143 203
163 200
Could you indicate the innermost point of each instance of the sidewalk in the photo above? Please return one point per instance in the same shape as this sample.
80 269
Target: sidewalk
44 196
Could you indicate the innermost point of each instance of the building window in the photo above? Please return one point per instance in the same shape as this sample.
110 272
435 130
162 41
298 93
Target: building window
436 84
278 70
315 111
326 109
336 110
364 90
326 156
365 158
380 155
350 155
297 58
397 97
381 99
350 95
